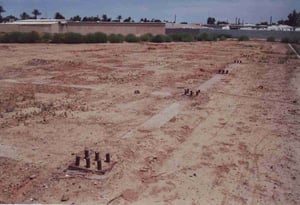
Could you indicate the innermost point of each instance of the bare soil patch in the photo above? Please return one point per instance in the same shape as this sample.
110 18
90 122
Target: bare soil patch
237 142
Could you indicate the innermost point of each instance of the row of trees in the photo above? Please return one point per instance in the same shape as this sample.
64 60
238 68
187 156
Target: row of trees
58 15
105 18
293 19
23 15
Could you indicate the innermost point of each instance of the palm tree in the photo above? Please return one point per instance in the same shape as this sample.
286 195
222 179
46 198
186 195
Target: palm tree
36 13
104 17
1 10
58 16
127 20
293 18
75 18
119 18
24 16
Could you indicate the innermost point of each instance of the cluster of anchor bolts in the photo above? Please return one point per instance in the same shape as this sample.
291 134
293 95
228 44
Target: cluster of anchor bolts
189 92
223 72
88 159
237 61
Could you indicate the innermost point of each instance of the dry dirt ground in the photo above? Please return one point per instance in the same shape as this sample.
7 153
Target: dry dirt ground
237 142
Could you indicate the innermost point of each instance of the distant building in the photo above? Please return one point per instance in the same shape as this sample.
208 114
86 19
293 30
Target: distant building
280 28
227 27
185 26
37 22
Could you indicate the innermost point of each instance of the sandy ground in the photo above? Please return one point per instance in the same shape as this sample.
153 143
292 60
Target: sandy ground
237 142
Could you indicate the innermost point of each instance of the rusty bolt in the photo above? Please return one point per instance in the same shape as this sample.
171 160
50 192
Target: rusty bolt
88 163
97 156
107 157
185 91
77 161
99 165
86 154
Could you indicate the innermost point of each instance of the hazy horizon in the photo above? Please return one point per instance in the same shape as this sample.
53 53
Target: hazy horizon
191 11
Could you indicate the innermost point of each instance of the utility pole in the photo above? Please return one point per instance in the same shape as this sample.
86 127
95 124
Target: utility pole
271 20
175 19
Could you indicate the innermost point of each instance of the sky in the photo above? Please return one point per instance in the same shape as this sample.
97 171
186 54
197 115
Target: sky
192 11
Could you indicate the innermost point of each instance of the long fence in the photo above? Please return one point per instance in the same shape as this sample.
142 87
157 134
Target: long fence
263 34
87 27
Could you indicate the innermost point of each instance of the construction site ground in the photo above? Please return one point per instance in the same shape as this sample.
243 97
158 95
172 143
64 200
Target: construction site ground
237 142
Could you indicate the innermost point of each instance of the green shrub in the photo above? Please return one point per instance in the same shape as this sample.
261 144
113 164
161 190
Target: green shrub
167 39
95 38
187 37
46 37
176 37
198 37
1 38
58 38
146 37
211 37
33 37
101 37
222 38
22 38
17 37
208 37
131 38
115 38
182 37
12 37
73 38
243 38
158 39
202 37
89 38
285 40
271 39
